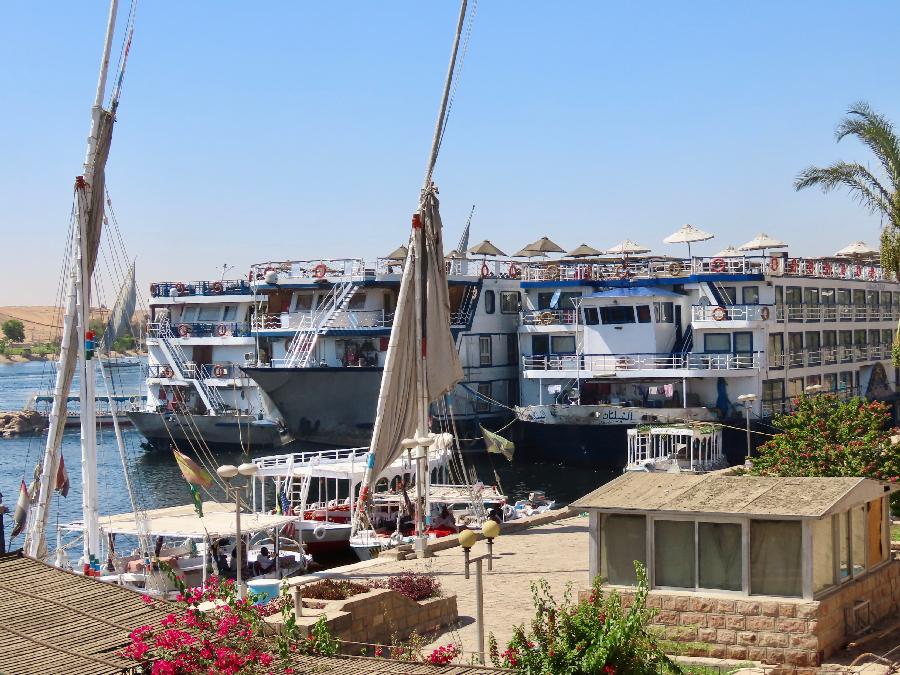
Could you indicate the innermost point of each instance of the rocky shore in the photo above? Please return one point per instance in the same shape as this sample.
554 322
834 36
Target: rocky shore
21 422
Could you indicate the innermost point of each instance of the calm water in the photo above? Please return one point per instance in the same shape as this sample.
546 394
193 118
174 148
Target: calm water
156 478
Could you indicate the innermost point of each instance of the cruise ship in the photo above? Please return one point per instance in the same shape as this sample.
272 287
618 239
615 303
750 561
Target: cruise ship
610 344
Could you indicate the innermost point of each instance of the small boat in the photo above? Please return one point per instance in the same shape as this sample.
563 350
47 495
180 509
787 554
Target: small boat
676 448
121 361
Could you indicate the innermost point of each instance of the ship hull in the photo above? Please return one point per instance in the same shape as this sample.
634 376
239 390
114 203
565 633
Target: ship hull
219 432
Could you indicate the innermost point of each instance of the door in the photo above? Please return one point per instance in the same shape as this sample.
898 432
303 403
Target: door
678 332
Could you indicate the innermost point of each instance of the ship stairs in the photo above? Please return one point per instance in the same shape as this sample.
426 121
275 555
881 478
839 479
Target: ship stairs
323 317
184 369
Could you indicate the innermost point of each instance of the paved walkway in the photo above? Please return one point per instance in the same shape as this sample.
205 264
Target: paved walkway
557 552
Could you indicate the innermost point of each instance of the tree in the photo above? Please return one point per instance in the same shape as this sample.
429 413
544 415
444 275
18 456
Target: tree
14 330
825 436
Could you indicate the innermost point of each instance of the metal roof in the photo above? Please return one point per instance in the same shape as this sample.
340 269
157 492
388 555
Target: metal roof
723 493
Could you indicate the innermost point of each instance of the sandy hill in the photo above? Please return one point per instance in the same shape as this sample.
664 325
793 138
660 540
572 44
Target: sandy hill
42 323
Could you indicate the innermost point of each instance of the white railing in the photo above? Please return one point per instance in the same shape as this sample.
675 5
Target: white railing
549 317
731 312
321 268
829 269
604 363
808 312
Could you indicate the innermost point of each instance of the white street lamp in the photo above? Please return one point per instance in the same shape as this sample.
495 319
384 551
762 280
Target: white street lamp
467 538
228 472
747 400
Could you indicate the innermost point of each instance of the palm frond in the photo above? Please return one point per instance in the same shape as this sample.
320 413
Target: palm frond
876 132
864 186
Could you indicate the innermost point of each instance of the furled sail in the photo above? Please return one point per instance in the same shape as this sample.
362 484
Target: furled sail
396 414
122 311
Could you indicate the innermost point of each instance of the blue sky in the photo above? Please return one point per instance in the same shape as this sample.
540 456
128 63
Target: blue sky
257 131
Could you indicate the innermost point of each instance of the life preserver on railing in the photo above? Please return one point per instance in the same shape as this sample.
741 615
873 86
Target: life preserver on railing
764 313
250 277
545 318
217 287
553 271
719 313
843 269
857 271
167 372
718 265
154 289
184 330
179 287
319 270
621 272
675 269
514 271
319 532
221 330
871 273
774 263
219 370
485 270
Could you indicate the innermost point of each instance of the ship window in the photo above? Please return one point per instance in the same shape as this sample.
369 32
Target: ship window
874 337
885 299
490 301
793 295
624 541
775 558
230 313
827 296
811 296
189 313
512 349
750 295
845 380
795 387
859 337
591 317
830 381
209 312
859 297
719 556
509 302
304 302
896 299
482 402
563 344
886 337
358 301
673 556
779 295
617 314
729 294
843 296
717 343
743 343
643 313
484 350
665 312
871 298
540 345
829 338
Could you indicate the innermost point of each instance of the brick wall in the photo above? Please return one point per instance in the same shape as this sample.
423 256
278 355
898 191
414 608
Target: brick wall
790 631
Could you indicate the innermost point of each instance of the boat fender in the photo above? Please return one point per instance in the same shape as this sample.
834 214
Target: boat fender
718 265
764 313
514 271
319 270
184 330
485 270
217 287
675 269
221 330
719 313
319 532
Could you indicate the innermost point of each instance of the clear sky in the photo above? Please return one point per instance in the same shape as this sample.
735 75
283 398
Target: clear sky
293 130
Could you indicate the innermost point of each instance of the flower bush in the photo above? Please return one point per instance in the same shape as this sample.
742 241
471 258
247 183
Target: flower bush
596 636
825 436
414 586
333 589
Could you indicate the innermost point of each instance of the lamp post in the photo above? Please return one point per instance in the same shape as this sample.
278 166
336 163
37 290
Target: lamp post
467 539
228 472
747 400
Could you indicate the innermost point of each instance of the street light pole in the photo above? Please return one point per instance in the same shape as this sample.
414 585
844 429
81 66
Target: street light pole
747 400
228 472
467 538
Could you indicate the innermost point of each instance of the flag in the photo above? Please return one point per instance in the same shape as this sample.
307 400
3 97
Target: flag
21 511
284 508
198 500
193 473
498 445
62 478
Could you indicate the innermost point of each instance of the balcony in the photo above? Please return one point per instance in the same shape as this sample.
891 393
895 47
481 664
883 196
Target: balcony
809 313
549 317
201 329
192 371
831 355
726 313
181 289
622 365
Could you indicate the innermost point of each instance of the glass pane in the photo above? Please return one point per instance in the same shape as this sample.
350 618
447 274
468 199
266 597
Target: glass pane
719 548
617 315
844 540
823 554
673 555
563 344
209 312
775 558
643 313
858 539
624 541
717 343
743 343
751 295
489 300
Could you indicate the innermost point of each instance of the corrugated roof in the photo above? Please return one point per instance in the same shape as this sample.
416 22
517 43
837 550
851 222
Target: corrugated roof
726 494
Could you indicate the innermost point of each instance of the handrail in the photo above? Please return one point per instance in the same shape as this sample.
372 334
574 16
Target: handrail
731 312
649 361
180 289
548 317
195 329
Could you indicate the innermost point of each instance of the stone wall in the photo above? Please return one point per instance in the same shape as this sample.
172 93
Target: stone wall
792 632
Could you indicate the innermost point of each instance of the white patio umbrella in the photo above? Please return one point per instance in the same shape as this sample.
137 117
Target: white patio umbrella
728 252
857 248
583 251
761 242
627 247
686 234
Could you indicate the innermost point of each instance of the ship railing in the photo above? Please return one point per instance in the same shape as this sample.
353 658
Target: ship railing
605 363
320 268
830 269
221 371
180 289
284 320
196 329
732 312
808 312
362 318
795 312
548 317
300 459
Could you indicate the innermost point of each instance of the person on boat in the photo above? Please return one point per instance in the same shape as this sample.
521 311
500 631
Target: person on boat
232 568
264 563
496 514
445 520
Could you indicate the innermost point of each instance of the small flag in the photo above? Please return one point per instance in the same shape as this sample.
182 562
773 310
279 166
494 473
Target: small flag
498 445
62 478
21 511
198 499
284 508
193 473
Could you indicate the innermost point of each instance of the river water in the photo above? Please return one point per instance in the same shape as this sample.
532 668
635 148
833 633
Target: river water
155 476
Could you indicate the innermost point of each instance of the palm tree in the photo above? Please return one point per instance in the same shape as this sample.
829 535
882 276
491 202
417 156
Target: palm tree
879 196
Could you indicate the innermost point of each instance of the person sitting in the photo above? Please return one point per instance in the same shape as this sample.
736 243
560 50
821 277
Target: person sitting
263 563
496 514
232 568
445 520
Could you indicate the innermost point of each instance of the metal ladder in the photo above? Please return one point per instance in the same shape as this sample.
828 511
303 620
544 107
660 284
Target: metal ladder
325 313
463 315
187 370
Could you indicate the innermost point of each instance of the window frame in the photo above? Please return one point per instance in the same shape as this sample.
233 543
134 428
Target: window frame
489 341
490 302
558 337
504 296
707 350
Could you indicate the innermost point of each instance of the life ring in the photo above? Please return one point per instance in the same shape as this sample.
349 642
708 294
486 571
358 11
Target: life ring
774 263
718 265
553 271
764 313
843 269
250 277
810 268
545 318
857 271
219 370
675 269
514 271
719 313
154 289
319 270
485 270
871 272
621 272
319 532
179 287
184 330
167 372
221 330
827 269
217 287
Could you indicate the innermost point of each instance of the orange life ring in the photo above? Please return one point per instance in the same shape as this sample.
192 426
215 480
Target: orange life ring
675 269
217 287
719 313
167 372
718 265
184 330
319 270
871 272
774 263
179 287
250 277
764 313
221 330
514 271
485 270
219 370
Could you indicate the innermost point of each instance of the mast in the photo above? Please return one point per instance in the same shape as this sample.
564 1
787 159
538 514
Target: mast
78 318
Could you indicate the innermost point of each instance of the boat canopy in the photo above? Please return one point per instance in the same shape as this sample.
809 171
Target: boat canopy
636 292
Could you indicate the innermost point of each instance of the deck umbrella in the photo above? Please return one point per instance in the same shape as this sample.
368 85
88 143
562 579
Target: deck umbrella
686 234
728 252
398 253
485 248
583 251
544 246
627 247
857 249
761 242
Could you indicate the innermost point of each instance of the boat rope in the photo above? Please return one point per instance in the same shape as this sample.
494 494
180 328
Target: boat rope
123 56
458 77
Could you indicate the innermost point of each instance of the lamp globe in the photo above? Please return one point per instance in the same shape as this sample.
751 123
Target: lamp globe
490 529
227 471
467 539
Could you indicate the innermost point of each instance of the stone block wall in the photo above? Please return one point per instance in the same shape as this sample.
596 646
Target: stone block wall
791 632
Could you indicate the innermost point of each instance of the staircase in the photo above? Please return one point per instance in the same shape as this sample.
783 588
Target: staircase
716 293
187 370
323 317
463 315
